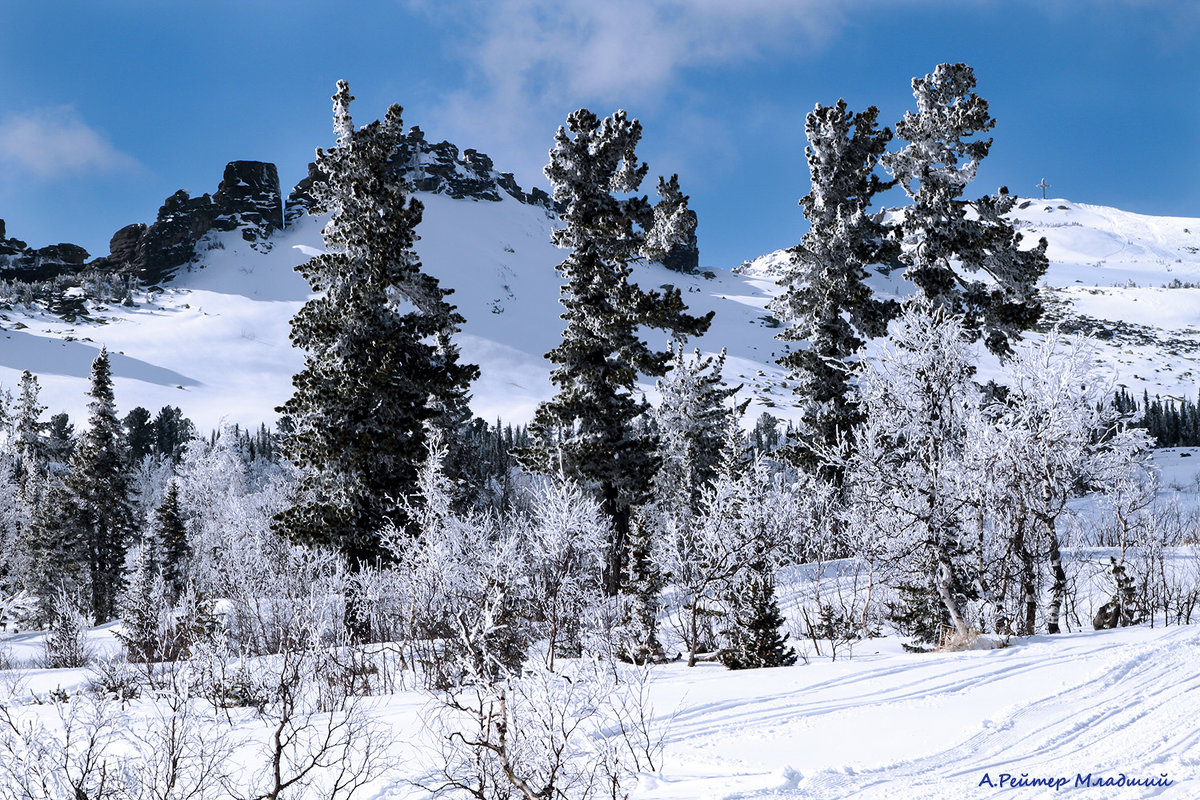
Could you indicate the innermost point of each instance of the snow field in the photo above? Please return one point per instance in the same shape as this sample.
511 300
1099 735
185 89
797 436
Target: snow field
877 722
215 343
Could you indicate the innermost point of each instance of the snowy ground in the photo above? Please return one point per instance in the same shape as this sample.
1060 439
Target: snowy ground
888 724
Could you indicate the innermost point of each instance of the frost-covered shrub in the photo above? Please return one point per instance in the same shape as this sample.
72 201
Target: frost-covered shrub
67 644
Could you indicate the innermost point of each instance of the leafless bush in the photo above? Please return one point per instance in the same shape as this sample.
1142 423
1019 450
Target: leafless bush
581 731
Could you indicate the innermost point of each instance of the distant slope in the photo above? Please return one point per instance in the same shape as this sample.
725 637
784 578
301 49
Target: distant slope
215 342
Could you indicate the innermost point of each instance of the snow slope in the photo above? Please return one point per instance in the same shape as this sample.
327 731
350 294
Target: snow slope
216 343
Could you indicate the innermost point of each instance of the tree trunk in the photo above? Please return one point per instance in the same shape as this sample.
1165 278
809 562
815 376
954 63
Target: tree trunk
1058 588
619 514
945 588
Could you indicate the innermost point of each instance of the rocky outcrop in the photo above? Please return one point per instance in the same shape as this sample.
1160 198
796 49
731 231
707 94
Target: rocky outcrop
248 199
438 169
19 261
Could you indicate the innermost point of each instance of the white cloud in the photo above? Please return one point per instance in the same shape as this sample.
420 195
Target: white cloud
55 142
630 50
532 61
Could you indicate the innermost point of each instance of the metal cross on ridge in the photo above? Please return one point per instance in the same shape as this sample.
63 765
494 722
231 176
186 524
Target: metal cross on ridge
1043 186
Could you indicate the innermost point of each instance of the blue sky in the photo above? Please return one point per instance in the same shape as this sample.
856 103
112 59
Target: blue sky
107 108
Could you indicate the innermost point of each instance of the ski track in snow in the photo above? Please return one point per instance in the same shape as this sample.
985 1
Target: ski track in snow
1100 703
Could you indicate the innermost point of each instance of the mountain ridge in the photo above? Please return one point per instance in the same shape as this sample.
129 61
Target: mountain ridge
211 336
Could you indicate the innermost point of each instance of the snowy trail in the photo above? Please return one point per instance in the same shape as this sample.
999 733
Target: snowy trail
904 726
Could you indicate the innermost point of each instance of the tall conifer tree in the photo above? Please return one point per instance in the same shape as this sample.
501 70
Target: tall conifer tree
963 256
98 512
831 308
379 361
587 429
173 547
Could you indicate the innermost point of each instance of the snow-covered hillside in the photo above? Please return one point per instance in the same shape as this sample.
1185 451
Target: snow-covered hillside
215 341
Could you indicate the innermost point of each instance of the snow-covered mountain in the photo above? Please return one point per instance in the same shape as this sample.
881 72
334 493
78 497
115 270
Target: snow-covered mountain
214 339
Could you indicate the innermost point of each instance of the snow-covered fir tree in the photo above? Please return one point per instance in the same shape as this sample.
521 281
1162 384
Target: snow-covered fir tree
28 429
586 431
691 421
379 360
963 256
139 434
67 644
671 240
753 634
170 535
145 609
826 299
172 431
97 511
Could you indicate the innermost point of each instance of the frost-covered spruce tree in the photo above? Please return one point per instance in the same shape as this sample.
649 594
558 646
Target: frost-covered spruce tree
28 429
376 340
643 585
98 509
909 467
172 432
139 433
586 431
754 636
827 301
963 256
671 240
692 419
67 644
146 609
171 535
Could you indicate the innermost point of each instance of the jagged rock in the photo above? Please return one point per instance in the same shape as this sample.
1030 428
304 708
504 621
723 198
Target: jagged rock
248 198
63 253
18 261
126 245
437 169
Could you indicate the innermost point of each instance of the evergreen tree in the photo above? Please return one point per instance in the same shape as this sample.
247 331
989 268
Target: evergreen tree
145 610
28 430
831 308
139 434
60 442
691 421
379 362
587 430
98 508
951 239
644 585
754 637
172 431
171 534
671 240
67 645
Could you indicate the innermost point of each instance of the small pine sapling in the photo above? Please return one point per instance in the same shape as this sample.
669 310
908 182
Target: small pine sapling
754 634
